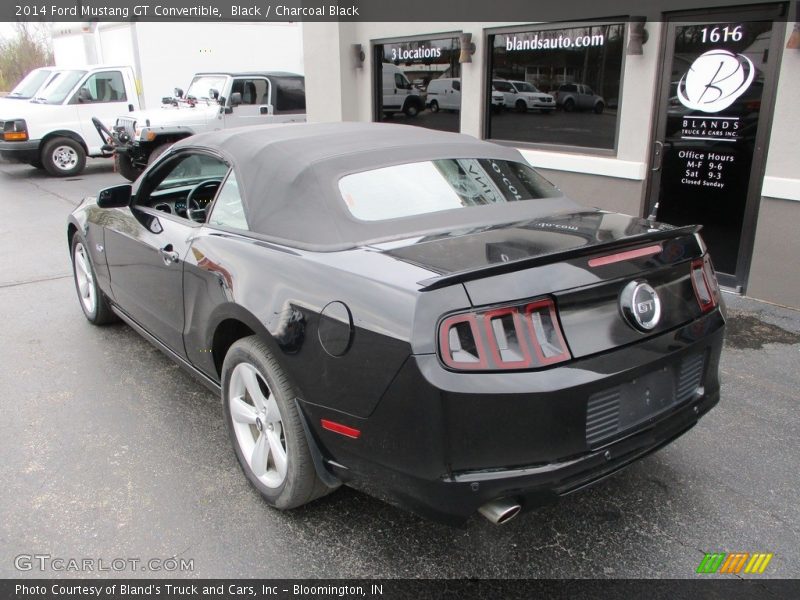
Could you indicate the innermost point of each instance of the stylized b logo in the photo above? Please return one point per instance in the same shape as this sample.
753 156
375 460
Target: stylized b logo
728 75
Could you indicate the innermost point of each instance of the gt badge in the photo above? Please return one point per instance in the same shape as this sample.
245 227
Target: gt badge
640 305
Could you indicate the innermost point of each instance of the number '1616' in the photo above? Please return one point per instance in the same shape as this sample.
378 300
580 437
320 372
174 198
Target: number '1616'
723 34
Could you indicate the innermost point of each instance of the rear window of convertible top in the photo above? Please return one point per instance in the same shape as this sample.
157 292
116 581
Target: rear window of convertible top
435 185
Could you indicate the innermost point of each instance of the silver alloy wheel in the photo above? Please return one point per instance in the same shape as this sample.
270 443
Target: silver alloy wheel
84 279
258 425
64 157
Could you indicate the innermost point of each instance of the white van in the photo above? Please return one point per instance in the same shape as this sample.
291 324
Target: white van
523 96
54 130
398 93
445 94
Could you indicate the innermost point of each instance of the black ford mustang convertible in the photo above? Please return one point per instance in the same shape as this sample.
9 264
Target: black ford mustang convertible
418 314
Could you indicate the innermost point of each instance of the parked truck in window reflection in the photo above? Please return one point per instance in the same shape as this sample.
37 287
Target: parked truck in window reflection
212 101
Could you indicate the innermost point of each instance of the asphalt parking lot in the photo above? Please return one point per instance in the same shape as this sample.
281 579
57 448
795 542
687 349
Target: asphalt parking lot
109 450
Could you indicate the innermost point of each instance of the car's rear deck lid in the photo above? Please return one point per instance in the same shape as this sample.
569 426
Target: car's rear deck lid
463 256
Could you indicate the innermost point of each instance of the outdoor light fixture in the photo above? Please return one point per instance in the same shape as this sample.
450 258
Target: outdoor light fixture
467 48
638 35
794 39
358 56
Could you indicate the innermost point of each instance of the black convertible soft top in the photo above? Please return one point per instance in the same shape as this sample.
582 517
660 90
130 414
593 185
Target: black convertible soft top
289 180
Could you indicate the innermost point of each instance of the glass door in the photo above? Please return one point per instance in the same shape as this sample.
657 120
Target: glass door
709 149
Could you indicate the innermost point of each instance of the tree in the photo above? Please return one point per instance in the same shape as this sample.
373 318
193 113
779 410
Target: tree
28 49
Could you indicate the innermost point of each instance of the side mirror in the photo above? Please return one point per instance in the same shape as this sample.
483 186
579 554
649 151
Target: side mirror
265 109
116 196
178 93
236 98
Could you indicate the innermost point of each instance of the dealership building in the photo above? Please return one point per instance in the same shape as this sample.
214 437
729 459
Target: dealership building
691 116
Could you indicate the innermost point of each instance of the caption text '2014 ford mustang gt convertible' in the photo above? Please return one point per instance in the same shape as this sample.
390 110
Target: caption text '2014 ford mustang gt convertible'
414 313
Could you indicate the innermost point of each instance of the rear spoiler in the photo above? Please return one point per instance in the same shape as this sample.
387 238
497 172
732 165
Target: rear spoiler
441 281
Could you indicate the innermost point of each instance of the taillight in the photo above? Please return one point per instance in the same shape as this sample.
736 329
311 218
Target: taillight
522 336
704 282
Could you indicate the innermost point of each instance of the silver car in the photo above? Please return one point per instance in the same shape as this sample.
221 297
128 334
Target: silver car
576 96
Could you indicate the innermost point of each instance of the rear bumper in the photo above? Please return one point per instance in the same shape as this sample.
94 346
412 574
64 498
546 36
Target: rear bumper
453 499
442 444
20 151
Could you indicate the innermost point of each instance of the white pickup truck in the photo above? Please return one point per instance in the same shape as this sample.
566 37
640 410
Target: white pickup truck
212 101
54 130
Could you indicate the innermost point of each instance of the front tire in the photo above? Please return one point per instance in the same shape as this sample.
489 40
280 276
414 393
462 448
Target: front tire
93 302
265 427
157 151
434 106
124 166
521 106
598 108
63 157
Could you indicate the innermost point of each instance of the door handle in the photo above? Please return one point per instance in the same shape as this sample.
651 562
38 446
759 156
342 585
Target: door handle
658 155
168 255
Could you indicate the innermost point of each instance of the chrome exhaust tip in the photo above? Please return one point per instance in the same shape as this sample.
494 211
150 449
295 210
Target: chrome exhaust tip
500 511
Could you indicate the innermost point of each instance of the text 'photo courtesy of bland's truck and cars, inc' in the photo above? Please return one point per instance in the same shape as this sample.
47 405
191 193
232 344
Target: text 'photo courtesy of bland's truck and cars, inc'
251 11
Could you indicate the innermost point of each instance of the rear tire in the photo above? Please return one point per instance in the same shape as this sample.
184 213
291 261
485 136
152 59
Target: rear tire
124 166
266 428
598 108
569 105
411 109
63 157
93 302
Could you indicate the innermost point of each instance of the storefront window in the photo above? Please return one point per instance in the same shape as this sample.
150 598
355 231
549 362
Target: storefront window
556 86
419 83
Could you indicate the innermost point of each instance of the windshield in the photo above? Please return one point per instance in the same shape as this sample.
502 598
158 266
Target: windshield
436 185
203 83
524 86
30 84
60 87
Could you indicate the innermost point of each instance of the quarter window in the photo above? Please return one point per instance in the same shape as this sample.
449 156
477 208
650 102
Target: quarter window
290 95
228 210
